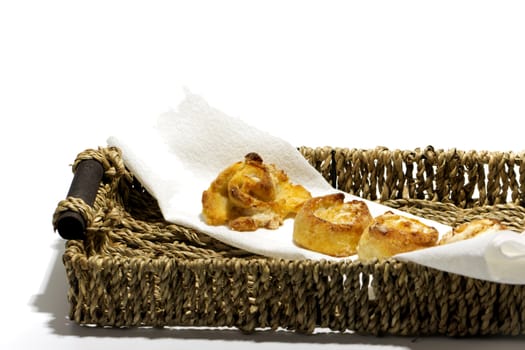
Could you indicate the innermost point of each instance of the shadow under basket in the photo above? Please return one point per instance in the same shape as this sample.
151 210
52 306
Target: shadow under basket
130 268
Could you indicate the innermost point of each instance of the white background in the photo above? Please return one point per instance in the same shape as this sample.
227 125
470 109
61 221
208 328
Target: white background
402 74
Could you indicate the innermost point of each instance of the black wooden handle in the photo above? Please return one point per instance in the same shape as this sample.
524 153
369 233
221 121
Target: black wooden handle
88 174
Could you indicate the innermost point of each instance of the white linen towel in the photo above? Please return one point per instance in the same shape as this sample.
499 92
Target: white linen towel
179 158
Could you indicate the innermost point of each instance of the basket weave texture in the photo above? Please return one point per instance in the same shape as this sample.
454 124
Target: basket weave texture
134 269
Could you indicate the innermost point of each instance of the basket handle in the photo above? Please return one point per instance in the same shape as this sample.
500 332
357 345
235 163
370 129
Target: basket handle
86 181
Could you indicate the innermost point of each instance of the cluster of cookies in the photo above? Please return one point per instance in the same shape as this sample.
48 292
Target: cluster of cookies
250 194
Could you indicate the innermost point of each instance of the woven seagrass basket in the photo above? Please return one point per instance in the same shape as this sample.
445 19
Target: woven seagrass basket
133 269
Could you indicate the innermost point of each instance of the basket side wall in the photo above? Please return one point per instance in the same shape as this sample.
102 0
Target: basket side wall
387 298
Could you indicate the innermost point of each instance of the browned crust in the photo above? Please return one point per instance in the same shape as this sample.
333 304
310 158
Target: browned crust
392 234
332 238
250 194
472 229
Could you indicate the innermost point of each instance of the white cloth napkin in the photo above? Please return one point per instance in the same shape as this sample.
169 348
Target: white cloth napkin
497 257
179 158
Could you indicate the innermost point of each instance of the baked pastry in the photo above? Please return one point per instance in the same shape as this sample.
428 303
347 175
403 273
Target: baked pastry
391 234
250 194
471 229
330 226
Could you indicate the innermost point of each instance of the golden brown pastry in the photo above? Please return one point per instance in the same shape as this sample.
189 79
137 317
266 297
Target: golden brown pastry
330 226
250 194
391 234
471 229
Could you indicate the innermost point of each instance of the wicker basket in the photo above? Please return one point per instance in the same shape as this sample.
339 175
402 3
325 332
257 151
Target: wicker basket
134 269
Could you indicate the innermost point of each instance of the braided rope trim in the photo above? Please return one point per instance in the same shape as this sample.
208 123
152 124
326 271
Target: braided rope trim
110 158
76 205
